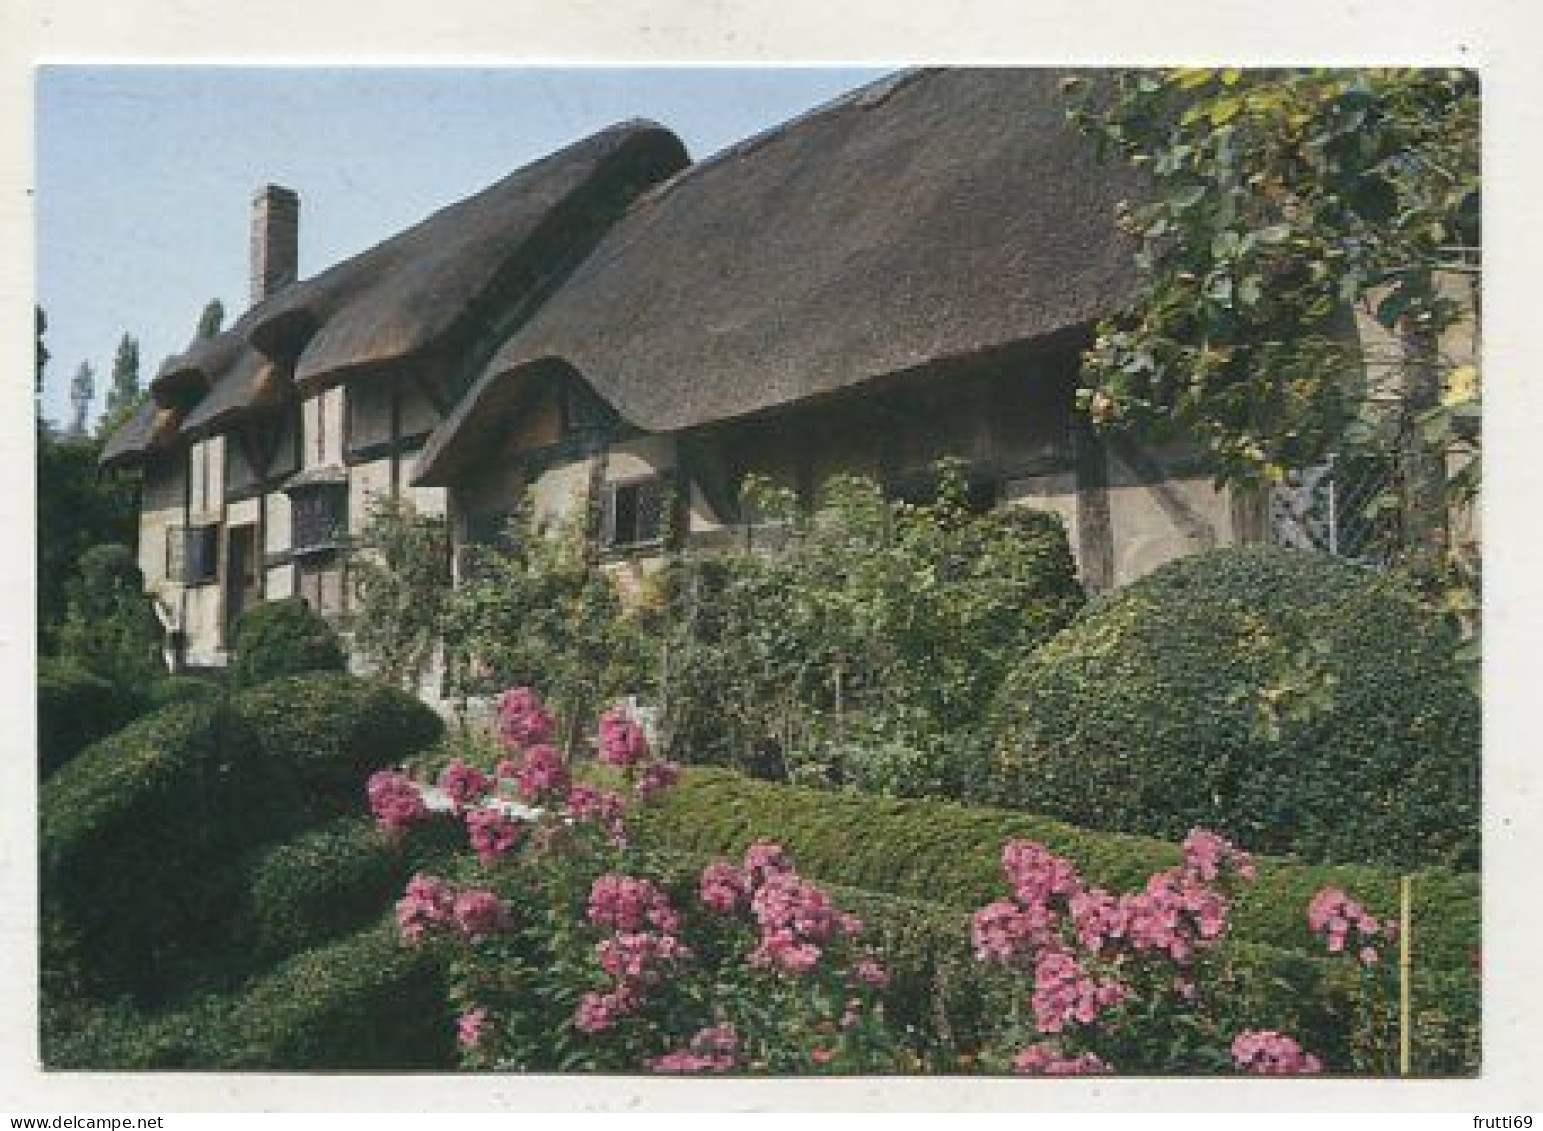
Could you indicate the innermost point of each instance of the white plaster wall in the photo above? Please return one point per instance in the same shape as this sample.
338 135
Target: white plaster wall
204 604
160 509
558 493
206 472
426 500
367 483
639 458
700 519
322 428
1145 536
280 583
241 513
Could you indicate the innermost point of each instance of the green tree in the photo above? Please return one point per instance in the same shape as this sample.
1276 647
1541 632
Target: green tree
76 508
109 626
40 352
1283 200
210 321
124 391
1283 204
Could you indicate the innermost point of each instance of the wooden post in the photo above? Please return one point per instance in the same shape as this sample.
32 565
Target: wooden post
1405 919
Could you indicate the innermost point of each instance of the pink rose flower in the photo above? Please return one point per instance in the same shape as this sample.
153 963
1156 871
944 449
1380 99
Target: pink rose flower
395 800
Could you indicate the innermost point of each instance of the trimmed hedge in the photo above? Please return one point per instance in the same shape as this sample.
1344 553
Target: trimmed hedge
182 689
364 1002
324 884
144 837
75 708
950 853
1291 701
335 730
285 637
939 989
133 831
949 1005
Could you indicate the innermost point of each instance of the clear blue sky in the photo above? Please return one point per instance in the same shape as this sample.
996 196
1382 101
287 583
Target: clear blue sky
145 174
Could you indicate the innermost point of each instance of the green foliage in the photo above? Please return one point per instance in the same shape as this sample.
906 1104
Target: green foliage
537 612
1282 203
950 853
176 689
132 833
286 637
75 708
333 730
363 1002
321 885
144 837
402 579
124 394
211 319
1287 700
77 509
109 626
867 647
1279 199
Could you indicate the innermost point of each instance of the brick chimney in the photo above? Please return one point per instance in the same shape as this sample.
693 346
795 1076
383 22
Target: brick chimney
275 240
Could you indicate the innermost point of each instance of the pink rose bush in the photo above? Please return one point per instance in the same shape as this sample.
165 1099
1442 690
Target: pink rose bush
431 905
1044 1060
712 1050
1347 927
522 721
1098 966
571 947
395 800
1267 1053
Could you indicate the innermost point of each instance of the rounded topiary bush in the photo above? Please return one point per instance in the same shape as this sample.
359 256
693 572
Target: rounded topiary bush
321 885
285 637
75 708
139 834
1292 701
333 730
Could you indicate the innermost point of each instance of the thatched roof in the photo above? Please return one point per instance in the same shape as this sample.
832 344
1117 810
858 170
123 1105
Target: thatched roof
928 218
148 428
458 273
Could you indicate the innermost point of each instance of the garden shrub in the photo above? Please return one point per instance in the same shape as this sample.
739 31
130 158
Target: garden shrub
176 689
110 627
145 836
320 885
950 853
1291 701
363 1002
75 708
333 729
285 637
139 833
536 609
541 978
868 645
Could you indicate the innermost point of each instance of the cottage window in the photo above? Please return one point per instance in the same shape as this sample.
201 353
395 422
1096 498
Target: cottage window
632 514
241 476
492 529
318 517
193 553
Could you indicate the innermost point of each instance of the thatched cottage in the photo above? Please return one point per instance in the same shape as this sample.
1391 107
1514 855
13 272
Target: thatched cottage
904 274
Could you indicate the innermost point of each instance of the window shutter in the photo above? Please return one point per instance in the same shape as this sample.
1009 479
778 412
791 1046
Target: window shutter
650 510
608 516
176 553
